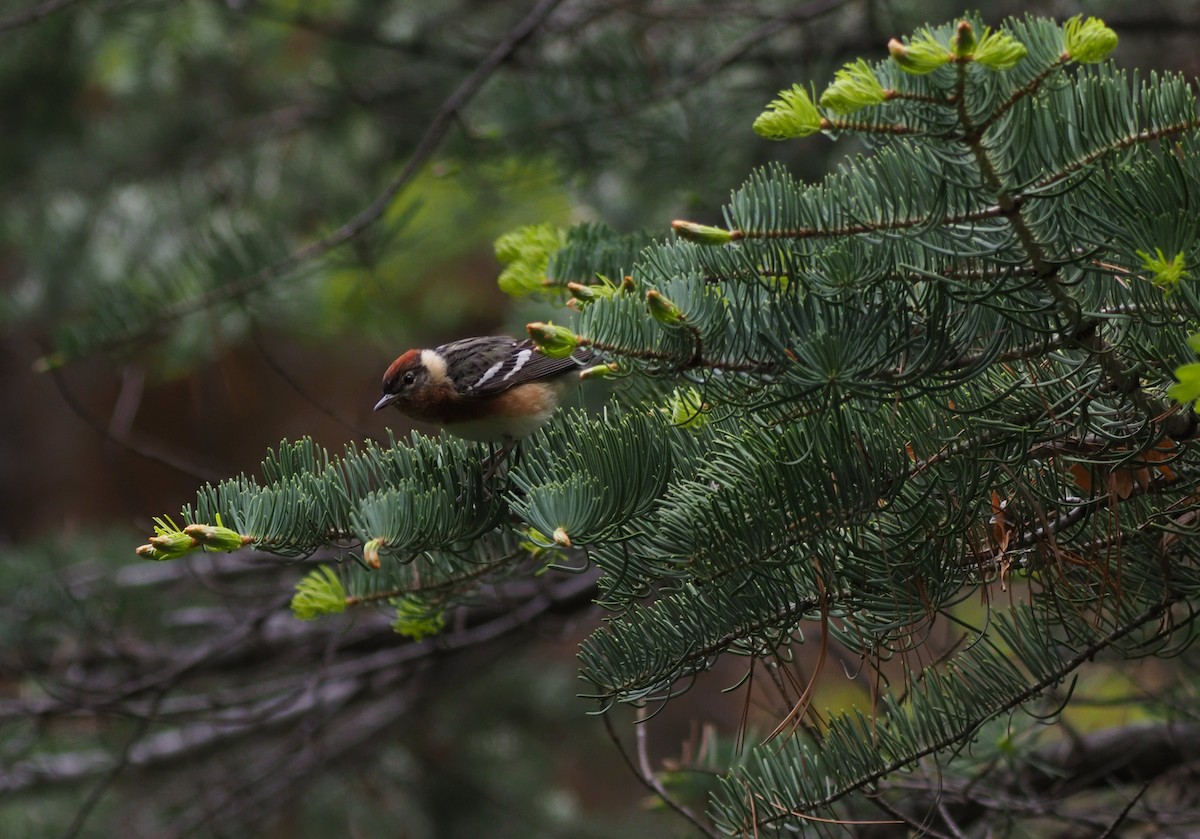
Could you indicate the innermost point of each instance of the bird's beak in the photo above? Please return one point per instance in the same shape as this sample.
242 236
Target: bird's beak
388 399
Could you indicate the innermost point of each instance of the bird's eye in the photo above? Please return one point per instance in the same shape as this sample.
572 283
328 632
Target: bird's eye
409 378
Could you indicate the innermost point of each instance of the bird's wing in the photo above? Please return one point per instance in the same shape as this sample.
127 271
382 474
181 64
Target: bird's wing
525 365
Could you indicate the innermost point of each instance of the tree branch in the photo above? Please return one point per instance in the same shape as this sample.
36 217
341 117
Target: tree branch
439 126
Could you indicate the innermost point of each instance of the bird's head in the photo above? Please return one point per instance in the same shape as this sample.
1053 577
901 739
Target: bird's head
406 375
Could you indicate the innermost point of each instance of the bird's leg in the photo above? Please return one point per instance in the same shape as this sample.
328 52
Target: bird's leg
496 458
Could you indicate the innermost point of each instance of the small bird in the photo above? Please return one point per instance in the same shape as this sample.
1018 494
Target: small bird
491 389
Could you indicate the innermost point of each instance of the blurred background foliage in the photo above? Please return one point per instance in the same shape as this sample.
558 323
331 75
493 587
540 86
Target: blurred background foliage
174 177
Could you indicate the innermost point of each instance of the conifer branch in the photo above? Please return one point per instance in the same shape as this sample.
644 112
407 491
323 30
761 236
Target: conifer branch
1006 704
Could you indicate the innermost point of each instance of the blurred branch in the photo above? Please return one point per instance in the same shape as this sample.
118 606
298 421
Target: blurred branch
339 30
38 12
1124 814
1140 753
282 774
144 448
1134 753
650 779
97 792
439 126
366 667
705 71
645 774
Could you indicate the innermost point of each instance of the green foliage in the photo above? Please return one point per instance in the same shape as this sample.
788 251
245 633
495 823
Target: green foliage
998 51
526 254
1088 40
416 619
1166 273
554 341
566 487
854 86
920 55
792 115
1187 390
857 405
319 593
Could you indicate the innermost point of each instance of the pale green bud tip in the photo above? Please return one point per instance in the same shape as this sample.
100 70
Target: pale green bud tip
919 57
999 51
854 86
551 340
582 292
318 593
662 309
599 371
1167 274
174 542
217 538
561 538
703 234
792 115
371 553
964 41
1088 41
151 552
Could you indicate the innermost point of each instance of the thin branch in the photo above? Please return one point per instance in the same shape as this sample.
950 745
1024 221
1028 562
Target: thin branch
1121 816
142 448
646 777
707 69
920 828
120 765
280 371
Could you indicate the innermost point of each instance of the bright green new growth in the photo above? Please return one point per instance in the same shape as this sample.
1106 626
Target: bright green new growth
921 55
685 408
790 116
319 593
526 254
854 86
994 50
998 51
1088 41
171 542
1167 274
554 341
417 619
1187 390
